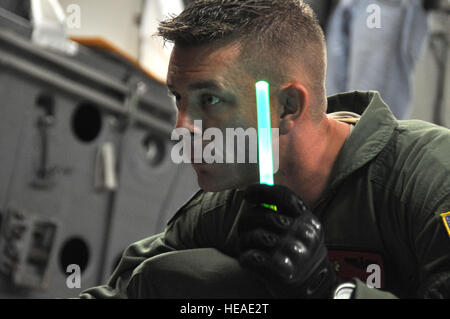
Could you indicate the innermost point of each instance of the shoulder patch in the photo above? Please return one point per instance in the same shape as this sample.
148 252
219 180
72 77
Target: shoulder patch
446 220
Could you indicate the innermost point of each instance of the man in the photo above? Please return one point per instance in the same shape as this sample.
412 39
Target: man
351 200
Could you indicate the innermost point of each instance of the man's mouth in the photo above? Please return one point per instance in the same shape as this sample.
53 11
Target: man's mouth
203 158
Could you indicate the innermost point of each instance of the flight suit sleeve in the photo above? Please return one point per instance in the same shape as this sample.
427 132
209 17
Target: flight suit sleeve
433 252
138 252
133 256
207 222
415 195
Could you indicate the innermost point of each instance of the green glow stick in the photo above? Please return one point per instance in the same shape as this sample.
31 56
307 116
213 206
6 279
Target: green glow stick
264 136
264 133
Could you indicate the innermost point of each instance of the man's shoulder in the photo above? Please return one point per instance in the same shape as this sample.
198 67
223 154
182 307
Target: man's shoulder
420 126
424 139
421 162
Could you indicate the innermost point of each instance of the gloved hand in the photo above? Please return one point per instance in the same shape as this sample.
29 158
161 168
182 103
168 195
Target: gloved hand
286 246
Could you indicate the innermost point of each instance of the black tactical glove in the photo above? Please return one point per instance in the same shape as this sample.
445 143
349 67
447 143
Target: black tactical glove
286 246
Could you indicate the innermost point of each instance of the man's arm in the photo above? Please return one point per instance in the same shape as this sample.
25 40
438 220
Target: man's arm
432 252
415 193
138 252
432 243
133 256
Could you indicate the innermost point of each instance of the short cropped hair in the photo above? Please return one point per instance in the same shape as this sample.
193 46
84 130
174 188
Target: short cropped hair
274 34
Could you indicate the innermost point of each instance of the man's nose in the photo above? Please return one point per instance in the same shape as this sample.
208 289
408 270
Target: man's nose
185 120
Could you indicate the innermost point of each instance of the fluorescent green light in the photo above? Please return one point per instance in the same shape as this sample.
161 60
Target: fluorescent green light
272 207
264 133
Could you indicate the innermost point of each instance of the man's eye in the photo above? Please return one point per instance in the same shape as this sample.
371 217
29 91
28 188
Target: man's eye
208 100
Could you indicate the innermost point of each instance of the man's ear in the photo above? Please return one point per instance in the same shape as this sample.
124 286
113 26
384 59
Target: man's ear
293 99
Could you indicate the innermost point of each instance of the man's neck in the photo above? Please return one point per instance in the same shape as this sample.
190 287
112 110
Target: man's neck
308 177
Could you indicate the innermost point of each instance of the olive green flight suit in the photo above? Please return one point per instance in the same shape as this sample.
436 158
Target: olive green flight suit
382 205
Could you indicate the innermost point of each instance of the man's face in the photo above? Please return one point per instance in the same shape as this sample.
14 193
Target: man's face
209 86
